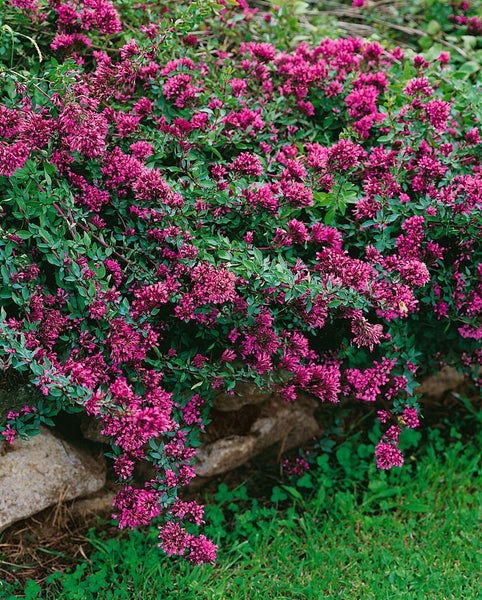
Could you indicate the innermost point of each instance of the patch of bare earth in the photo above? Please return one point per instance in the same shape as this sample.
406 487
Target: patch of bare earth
57 538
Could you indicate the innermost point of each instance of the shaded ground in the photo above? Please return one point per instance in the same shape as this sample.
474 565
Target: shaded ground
56 539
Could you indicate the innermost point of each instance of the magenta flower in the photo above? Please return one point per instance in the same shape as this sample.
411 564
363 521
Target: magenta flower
12 157
135 507
366 334
410 417
247 163
388 455
438 112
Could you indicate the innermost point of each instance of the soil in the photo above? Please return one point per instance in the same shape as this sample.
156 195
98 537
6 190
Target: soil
56 539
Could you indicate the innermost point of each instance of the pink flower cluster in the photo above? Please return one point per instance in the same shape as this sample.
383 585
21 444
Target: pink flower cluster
296 468
136 507
82 15
368 385
209 286
191 228
387 453
177 540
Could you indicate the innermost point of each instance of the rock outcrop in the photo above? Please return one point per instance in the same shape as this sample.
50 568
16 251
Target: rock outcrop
277 422
41 471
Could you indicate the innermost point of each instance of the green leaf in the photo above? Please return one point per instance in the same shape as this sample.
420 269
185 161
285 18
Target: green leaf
293 492
32 590
416 506
469 68
23 235
278 495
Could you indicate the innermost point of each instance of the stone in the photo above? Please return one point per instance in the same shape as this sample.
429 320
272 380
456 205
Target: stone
99 504
91 429
244 394
38 472
279 422
436 386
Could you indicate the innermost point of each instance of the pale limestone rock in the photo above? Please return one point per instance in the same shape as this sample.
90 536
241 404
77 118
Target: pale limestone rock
244 393
446 380
100 503
91 429
287 424
36 473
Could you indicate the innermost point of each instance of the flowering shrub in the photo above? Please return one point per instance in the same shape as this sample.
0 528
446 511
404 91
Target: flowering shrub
179 216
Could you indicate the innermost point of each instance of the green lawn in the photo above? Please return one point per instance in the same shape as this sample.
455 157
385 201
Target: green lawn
414 533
